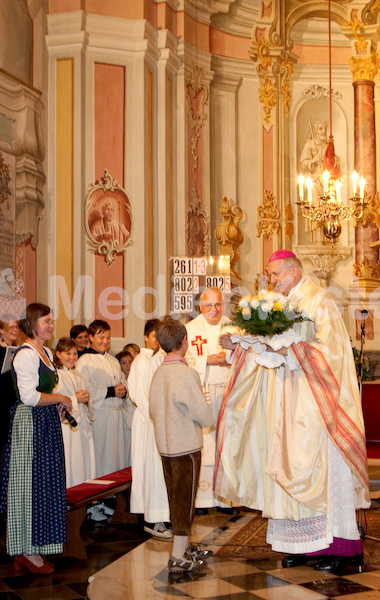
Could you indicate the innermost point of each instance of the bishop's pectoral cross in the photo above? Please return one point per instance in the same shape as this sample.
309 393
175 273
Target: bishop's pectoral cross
198 342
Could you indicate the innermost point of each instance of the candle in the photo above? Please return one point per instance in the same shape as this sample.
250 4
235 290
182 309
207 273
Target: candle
355 178
300 186
326 177
337 189
309 190
361 186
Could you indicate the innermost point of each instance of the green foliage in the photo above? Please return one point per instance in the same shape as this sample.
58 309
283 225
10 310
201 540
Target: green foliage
366 374
266 314
271 323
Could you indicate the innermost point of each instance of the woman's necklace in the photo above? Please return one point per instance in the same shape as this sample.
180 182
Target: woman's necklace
42 354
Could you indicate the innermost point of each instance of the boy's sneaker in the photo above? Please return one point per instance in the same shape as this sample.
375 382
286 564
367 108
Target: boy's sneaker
185 564
158 530
196 552
94 513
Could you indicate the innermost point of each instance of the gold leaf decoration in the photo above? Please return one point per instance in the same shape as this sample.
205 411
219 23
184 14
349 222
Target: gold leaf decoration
269 215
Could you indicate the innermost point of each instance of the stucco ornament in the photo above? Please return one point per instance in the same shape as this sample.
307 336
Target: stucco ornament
108 218
4 180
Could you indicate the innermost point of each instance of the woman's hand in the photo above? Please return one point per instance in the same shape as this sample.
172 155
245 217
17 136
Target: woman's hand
63 401
82 396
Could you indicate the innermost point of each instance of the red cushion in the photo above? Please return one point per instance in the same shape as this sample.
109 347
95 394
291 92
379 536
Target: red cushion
371 414
86 490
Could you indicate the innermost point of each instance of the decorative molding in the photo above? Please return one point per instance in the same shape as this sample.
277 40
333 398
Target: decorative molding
287 72
313 32
269 217
110 34
370 12
305 73
229 82
196 90
370 213
316 91
173 4
259 53
22 108
238 21
323 258
4 180
288 221
233 68
112 235
367 270
274 63
356 26
228 233
197 227
200 10
268 97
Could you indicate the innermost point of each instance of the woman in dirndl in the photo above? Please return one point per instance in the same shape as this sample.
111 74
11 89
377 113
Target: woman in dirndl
36 497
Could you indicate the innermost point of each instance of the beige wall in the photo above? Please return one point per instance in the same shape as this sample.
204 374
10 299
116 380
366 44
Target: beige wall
241 156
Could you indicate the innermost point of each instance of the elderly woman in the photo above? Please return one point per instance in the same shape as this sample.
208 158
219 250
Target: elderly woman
36 500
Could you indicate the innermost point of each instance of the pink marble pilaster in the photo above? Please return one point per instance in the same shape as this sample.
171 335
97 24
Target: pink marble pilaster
365 165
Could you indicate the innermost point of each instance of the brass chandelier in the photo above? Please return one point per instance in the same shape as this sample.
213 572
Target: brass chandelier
330 210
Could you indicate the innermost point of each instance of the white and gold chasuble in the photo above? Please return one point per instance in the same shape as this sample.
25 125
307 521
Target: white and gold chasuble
286 435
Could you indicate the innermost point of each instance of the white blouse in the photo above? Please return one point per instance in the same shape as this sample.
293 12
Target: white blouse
26 364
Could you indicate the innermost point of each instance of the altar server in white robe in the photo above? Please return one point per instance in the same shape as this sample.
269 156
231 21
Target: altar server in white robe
208 358
125 359
78 441
148 492
103 378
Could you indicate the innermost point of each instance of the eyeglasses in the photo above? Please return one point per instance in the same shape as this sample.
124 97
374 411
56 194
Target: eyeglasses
209 306
13 327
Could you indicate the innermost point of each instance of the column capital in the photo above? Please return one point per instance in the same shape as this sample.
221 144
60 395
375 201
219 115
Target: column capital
363 68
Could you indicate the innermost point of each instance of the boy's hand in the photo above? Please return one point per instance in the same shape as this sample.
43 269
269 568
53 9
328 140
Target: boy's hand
120 390
82 396
218 360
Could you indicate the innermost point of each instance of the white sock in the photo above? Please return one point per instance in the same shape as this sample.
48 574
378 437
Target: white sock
179 545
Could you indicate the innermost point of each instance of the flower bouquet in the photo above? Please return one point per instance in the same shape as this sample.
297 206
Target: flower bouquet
266 314
268 320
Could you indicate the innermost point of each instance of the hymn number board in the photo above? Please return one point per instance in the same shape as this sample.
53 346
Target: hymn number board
192 275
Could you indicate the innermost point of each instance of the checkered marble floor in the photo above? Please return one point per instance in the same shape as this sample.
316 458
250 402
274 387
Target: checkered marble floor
142 574
248 580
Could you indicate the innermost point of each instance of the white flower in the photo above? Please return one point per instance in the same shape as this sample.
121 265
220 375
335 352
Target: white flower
246 312
267 306
244 301
254 303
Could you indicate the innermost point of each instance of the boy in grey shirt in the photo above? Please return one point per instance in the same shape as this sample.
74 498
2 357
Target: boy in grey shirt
179 410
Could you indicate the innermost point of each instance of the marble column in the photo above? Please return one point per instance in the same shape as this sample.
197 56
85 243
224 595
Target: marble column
366 266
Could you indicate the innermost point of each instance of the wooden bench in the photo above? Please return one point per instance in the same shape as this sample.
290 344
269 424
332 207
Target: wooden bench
80 496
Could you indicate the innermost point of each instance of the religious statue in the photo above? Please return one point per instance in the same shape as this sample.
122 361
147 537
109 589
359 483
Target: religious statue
311 161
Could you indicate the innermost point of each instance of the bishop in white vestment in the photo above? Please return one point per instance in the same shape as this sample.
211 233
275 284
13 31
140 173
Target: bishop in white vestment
290 439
